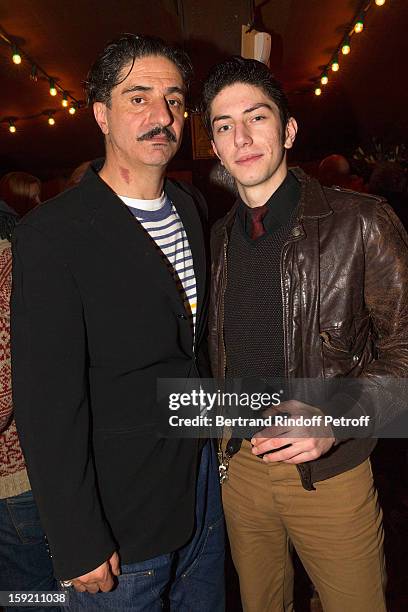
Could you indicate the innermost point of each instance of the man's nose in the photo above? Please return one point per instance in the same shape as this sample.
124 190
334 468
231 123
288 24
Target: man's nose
242 135
161 113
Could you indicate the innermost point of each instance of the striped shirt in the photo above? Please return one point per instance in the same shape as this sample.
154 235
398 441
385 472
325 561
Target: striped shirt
161 221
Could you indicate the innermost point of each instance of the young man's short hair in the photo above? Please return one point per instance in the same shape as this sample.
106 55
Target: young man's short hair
250 72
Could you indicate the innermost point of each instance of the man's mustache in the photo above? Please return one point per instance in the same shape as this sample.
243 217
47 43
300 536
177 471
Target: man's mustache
156 132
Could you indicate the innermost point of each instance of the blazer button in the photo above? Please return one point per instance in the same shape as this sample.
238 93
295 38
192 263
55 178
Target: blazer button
182 317
296 231
356 358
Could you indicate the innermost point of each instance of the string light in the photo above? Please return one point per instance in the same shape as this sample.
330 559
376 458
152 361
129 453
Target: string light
359 25
335 64
356 25
185 114
34 73
53 89
16 55
345 49
12 127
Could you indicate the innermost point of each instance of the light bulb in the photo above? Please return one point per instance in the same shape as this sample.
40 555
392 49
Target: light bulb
16 56
72 110
51 120
64 100
335 65
12 127
185 114
359 26
346 47
53 89
318 91
324 79
380 2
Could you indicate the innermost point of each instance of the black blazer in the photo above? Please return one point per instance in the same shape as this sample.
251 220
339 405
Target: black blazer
96 319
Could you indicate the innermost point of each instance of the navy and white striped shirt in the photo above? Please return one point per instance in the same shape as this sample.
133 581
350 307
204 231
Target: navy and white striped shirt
160 219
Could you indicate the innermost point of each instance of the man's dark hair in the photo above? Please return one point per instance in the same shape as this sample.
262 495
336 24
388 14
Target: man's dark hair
107 71
250 72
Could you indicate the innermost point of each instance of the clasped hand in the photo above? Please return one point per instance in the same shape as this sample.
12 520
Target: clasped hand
293 444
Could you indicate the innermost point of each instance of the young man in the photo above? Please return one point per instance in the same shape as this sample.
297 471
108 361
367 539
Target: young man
308 282
110 295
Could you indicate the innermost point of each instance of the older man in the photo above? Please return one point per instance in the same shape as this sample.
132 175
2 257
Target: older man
110 295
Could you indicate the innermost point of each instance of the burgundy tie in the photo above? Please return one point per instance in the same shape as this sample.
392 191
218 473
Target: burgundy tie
257 215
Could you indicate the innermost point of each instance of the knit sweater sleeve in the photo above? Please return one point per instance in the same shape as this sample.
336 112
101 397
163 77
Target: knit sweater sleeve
6 406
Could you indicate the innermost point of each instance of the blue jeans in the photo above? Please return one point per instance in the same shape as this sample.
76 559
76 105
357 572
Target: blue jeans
24 560
190 579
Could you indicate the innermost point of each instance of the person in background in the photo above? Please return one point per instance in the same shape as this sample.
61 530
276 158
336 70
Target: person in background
21 191
389 180
77 174
334 170
25 562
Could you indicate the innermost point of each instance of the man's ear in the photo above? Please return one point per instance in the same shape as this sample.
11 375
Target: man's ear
216 152
290 133
100 114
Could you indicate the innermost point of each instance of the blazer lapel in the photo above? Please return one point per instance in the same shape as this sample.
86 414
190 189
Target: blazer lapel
115 223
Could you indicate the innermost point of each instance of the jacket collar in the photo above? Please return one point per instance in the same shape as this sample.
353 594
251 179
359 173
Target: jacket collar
112 219
313 202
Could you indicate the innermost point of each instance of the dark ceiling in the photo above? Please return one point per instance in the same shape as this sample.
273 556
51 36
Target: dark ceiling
366 98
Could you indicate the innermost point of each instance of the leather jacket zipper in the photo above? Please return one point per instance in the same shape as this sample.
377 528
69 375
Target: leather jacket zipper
303 469
223 363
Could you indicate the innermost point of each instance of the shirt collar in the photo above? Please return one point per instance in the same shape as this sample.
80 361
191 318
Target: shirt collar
280 206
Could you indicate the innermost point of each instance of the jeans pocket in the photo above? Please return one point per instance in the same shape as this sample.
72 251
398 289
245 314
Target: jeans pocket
213 546
150 575
25 518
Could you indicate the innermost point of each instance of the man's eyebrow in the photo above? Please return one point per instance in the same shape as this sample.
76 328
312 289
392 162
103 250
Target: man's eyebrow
220 118
246 111
136 88
256 106
169 90
176 89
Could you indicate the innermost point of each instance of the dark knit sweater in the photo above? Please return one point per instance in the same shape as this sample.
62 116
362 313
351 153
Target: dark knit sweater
253 323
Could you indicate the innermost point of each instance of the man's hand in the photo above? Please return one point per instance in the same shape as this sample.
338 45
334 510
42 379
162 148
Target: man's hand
303 443
100 579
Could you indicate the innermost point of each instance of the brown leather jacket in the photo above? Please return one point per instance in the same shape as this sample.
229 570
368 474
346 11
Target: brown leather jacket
344 275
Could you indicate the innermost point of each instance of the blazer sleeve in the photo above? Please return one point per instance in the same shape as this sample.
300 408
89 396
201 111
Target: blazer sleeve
50 394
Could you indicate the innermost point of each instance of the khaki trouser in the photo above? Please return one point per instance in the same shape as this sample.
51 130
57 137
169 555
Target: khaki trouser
336 530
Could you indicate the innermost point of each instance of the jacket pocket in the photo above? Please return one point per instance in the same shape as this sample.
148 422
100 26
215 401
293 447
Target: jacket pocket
347 347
